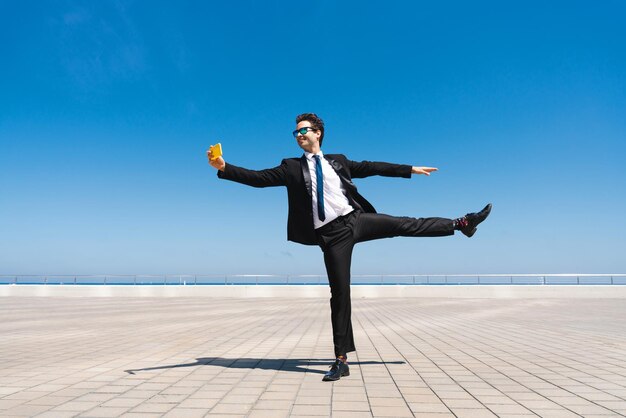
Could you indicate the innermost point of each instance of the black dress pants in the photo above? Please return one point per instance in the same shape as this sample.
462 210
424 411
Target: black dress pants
337 239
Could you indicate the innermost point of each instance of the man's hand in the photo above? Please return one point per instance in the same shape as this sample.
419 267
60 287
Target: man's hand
423 170
217 163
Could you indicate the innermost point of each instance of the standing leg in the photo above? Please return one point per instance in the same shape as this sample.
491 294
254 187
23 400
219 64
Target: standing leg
337 258
337 243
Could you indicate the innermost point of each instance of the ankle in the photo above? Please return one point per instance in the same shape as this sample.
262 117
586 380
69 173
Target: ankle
343 359
460 223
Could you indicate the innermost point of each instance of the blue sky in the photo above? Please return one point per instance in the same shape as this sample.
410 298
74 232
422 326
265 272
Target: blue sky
107 108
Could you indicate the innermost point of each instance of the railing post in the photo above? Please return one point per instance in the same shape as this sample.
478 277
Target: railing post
105 279
611 279
74 279
445 279
413 279
478 279
577 279
135 280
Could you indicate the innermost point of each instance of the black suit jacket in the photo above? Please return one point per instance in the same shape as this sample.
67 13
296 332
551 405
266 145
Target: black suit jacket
294 174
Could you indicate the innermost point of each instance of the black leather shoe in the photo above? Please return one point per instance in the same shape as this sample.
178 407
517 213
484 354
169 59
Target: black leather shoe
337 371
473 219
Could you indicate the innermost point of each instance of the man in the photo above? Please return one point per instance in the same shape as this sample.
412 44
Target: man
326 209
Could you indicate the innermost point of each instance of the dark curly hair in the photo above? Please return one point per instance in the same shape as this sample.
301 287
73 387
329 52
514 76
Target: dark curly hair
316 123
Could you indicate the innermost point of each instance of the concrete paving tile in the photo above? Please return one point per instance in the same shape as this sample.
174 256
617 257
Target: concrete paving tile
510 409
350 406
312 400
152 407
317 410
209 394
6 404
498 400
590 410
229 408
391 411
388 401
25 410
179 412
27 395
167 398
540 404
558 413
352 414
122 403
278 396
274 404
48 400
103 412
327 391
439 408
4 391
268 413
239 399
473 413
193 403
76 406
95 397
463 403
614 405
56 414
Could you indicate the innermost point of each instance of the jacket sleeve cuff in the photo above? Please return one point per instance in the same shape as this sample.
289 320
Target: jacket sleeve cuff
222 174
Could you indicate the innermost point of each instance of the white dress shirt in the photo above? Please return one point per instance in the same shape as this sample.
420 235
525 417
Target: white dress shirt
335 201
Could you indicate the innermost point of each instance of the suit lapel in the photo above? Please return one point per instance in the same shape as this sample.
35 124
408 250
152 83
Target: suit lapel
341 172
304 165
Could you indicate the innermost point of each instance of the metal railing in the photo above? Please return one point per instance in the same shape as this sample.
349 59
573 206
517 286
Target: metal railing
270 279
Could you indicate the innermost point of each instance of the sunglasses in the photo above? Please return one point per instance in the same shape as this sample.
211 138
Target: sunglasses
302 131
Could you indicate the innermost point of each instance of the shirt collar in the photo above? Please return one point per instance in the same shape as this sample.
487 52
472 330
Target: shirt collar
310 155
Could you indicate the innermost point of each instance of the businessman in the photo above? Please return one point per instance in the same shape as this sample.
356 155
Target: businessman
326 209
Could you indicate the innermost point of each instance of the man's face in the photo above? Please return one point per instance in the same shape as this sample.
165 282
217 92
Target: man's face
309 141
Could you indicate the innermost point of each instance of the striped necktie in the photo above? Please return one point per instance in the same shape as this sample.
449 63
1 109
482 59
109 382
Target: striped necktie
320 188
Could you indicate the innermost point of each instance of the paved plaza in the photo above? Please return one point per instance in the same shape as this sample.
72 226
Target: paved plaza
265 357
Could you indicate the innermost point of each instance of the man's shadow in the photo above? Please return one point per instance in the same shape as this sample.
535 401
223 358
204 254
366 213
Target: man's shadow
288 365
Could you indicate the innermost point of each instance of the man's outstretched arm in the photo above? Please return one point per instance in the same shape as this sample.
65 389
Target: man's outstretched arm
361 169
256 178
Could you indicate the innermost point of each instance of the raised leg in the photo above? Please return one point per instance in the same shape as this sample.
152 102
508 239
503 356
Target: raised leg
370 226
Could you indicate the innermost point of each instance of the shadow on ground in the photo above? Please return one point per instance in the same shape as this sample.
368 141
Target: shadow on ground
287 365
